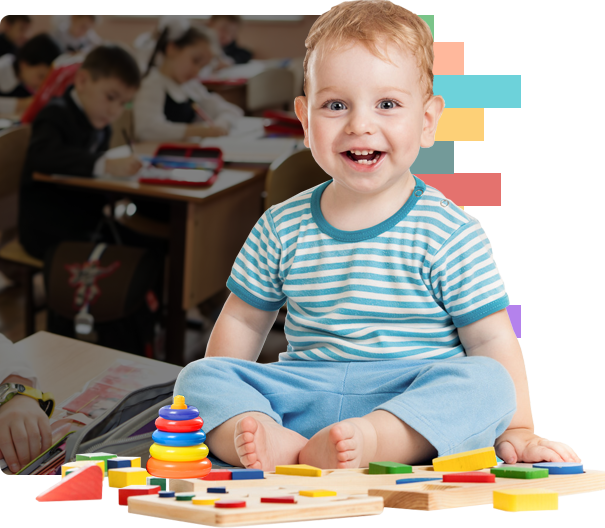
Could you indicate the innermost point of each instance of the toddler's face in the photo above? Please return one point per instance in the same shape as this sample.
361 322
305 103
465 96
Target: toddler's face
366 119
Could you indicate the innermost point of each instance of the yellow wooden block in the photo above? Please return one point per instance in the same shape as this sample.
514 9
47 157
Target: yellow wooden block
461 124
82 463
128 476
467 461
317 493
302 470
526 499
203 501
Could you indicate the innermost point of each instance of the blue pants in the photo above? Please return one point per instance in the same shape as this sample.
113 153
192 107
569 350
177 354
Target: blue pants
457 404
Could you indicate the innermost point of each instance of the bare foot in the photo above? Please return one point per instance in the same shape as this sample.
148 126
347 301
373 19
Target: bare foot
262 443
347 444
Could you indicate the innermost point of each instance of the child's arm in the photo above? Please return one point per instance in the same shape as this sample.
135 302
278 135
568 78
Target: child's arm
240 330
493 337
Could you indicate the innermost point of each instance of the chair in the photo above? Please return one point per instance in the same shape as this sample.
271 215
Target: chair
271 88
13 148
291 174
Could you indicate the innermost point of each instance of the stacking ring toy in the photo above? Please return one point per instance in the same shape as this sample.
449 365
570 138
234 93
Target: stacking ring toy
179 426
180 470
179 454
178 439
168 413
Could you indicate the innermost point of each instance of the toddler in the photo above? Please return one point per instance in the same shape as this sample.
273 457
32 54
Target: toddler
400 346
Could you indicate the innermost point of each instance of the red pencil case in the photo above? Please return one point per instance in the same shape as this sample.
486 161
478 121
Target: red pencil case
276 122
183 165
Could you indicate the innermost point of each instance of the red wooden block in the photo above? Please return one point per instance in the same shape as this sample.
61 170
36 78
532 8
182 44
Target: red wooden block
130 491
279 500
218 474
470 476
230 504
84 484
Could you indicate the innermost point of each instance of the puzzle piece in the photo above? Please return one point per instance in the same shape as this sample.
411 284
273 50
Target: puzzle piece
129 476
120 462
382 468
527 499
519 472
303 470
414 480
166 494
218 474
204 501
246 474
472 476
466 461
131 491
317 493
230 504
279 500
561 468
217 490
184 496
84 484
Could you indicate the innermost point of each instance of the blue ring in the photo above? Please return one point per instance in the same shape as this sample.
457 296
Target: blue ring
189 413
179 439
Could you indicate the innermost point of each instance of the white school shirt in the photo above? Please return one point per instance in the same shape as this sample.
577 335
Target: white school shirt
8 82
150 123
13 364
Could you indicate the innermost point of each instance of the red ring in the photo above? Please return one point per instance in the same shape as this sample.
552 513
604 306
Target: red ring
178 470
179 426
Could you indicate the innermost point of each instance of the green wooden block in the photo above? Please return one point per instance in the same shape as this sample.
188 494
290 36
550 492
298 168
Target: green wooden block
390 468
67 472
157 481
96 456
519 472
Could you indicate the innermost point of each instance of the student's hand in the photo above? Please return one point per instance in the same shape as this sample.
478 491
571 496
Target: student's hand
202 130
24 431
123 166
22 104
521 445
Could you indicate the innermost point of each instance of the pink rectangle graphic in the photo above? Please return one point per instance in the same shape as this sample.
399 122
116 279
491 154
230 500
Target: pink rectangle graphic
449 58
467 188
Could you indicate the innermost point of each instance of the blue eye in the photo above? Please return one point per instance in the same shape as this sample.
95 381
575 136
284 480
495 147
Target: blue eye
387 105
336 105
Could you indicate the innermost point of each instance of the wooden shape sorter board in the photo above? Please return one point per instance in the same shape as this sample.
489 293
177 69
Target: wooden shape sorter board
418 496
255 512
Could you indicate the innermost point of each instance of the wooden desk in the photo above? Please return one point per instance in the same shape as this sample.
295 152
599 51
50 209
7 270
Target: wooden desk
208 227
63 365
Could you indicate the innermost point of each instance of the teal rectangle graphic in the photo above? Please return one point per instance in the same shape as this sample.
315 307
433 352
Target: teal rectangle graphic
438 159
479 91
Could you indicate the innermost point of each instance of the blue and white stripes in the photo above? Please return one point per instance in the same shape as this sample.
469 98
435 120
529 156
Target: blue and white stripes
394 291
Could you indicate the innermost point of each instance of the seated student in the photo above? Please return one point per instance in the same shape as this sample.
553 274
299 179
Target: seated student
76 33
144 45
171 100
227 27
25 430
13 33
70 136
21 75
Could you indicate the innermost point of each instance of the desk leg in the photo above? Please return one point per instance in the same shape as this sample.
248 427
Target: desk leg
176 317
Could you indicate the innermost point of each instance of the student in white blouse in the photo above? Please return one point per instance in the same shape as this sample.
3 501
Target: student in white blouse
24 427
172 104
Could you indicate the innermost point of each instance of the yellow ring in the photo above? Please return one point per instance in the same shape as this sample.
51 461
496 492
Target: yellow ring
179 454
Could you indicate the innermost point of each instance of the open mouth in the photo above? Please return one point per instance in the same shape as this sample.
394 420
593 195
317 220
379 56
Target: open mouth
364 157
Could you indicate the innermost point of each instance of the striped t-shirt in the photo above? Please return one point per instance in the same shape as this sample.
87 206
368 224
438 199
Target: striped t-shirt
397 290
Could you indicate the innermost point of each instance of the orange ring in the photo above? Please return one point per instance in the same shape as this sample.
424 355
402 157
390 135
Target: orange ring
178 470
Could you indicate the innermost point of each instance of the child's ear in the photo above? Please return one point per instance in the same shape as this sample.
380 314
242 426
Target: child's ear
432 112
300 107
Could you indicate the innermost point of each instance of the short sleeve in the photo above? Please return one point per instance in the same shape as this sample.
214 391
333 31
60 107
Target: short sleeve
464 277
255 277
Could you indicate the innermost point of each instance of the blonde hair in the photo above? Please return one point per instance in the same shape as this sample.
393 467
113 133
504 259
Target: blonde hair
374 23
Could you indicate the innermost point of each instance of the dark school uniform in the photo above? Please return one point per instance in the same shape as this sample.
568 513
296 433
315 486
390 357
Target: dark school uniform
239 55
6 46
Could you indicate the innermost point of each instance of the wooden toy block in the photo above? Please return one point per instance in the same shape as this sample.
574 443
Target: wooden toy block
519 472
317 493
380 468
218 474
415 480
302 470
531 499
81 464
561 468
473 476
84 484
247 474
279 500
217 490
157 481
96 456
118 462
230 504
122 477
467 461
131 491
205 501
184 496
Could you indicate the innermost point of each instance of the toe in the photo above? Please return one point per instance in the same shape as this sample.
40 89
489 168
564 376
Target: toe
346 445
243 438
341 431
246 425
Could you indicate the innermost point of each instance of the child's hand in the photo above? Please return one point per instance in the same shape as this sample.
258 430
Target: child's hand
123 166
521 445
202 130
24 431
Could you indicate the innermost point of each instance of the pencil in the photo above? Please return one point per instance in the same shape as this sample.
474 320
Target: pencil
202 114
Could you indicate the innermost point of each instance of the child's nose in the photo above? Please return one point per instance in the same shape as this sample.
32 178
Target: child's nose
360 122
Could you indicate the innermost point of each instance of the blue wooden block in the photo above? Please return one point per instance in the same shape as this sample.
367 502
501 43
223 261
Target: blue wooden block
246 474
412 480
561 468
217 490
114 464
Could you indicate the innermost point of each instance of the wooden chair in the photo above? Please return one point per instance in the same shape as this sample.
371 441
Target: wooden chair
272 88
13 148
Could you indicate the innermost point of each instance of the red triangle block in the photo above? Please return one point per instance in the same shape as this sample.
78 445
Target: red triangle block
84 484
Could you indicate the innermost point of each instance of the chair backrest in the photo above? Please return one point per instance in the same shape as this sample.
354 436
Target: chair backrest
292 174
272 88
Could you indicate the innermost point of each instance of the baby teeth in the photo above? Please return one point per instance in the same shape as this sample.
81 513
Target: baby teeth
366 162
